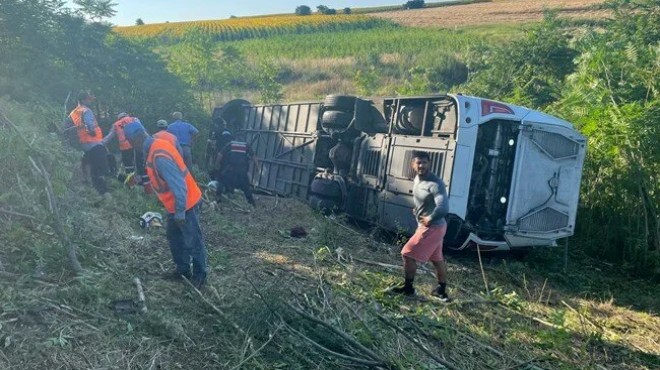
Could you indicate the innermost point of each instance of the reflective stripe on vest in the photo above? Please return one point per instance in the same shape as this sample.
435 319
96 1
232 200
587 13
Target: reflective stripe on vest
164 135
238 147
83 135
162 148
121 136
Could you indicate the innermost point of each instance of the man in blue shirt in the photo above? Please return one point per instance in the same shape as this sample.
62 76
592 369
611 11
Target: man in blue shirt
184 133
181 197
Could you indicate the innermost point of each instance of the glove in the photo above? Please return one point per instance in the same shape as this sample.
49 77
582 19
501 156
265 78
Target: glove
148 189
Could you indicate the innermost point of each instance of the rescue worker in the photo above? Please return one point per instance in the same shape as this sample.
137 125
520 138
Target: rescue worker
162 133
220 138
216 142
90 138
233 163
178 192
128 159
431 208
184 133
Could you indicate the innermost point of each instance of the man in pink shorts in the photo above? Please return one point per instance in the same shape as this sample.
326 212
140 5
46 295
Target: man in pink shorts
431 207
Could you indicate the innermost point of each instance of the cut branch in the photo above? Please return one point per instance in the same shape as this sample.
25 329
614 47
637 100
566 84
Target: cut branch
437 359
58 226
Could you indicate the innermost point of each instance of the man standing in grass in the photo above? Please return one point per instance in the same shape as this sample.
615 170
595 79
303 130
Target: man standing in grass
184 133
90 138
431 207
178 192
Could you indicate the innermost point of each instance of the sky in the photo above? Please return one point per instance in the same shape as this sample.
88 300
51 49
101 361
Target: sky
157 11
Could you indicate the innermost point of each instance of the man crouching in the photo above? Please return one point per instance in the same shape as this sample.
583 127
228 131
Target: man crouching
431 207
177 190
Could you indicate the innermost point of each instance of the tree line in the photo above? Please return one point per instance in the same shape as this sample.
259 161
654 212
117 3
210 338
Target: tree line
50 51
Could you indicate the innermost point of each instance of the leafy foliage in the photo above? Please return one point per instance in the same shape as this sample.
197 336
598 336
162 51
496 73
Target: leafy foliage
51 52
303 10
414 4
606 83
529 71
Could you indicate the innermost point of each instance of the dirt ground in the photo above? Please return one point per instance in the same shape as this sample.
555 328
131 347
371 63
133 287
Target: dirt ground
496 12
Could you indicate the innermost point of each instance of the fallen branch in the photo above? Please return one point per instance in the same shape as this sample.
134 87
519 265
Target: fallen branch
521 364
437 359
331 352
141 299
374 362
17 214
483 273
58 226
218 311
340 333
270 338
474 341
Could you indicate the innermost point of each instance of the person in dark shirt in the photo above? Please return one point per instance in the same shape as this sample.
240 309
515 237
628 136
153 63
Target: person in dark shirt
431 208
233 163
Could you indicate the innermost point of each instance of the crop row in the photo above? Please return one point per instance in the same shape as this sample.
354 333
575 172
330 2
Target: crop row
254 27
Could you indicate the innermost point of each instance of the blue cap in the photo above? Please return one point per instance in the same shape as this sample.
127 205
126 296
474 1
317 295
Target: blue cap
133 128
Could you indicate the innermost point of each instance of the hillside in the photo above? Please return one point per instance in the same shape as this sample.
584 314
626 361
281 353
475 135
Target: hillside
279 302
495 12
274 301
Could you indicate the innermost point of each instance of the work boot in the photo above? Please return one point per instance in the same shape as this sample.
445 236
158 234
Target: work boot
441 295
198 283
177 276
407 291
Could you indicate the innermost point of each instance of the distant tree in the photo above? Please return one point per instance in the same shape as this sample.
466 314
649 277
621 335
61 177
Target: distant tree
232 17
414 4
96 10
139 22
303 10
347 10
322 9
330 11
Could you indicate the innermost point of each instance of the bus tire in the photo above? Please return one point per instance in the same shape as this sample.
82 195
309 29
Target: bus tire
339 102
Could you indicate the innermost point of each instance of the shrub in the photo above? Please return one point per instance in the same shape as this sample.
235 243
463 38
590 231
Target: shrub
414 4
303 10
347 10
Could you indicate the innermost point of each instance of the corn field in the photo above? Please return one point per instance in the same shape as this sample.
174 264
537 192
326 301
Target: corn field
253 27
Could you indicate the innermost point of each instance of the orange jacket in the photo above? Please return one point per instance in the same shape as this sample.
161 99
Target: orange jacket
83 135
162 148
164 135
119 131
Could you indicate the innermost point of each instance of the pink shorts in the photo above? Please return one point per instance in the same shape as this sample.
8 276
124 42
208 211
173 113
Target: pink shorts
426 244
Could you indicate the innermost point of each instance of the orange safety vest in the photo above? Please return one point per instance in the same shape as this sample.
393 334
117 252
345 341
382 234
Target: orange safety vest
83 135
164 135
119 131
162 148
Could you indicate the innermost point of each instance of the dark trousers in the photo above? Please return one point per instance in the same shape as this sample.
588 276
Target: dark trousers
187 244
187 156
229 180
97 161
133 161
128 160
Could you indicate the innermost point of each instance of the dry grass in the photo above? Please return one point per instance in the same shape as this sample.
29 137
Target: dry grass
58 321
498 12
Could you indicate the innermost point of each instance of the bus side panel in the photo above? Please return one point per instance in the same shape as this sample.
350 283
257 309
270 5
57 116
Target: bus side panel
283 137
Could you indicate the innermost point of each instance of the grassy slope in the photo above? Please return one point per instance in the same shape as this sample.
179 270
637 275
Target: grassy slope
59 320
318 64
50 319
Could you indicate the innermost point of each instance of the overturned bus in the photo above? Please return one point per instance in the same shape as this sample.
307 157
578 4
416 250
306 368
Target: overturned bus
512 174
